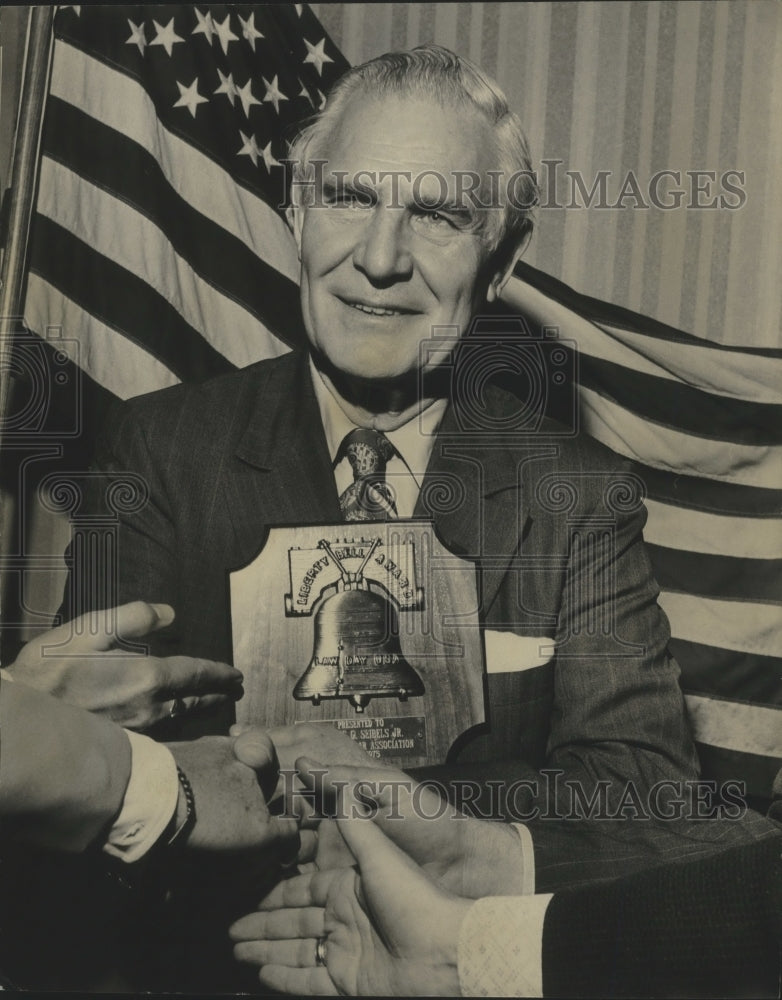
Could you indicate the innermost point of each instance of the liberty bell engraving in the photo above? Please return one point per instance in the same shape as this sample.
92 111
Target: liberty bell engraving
356 651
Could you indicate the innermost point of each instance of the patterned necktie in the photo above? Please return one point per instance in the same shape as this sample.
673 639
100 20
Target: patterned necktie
369 497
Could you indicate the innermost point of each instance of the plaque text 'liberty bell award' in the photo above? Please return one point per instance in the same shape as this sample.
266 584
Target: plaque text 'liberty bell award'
336 627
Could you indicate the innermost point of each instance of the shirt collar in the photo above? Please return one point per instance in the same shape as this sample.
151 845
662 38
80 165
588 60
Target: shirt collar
413 441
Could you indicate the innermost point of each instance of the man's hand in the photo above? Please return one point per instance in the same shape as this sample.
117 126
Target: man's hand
231 812
292 742
306 740
391 931
466 856
78 663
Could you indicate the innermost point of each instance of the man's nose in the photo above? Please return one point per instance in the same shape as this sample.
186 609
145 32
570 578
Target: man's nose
382 253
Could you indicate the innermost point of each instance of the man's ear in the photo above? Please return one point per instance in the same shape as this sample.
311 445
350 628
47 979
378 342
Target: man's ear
506 257
294 216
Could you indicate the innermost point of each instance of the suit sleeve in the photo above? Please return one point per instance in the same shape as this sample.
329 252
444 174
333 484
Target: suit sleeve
622 766
707 928
63 771
599 732
619 713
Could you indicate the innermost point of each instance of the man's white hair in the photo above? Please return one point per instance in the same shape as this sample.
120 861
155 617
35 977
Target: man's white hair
434 72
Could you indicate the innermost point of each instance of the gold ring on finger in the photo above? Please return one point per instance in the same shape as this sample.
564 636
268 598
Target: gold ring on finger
178 707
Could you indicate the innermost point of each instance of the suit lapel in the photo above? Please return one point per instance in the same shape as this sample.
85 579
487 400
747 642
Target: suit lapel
280 471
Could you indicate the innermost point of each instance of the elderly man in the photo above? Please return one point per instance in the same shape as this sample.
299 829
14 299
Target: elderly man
413 197
412 201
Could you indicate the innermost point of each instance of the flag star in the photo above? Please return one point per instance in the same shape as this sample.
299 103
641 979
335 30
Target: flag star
298 7
189 97
205 25
268 159
322 103
224 33
305 93
166 37
227 87
316 55
249 30
250 148
137 36
273 93
246 96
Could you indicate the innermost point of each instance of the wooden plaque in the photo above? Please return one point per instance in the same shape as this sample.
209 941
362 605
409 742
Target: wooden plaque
368 627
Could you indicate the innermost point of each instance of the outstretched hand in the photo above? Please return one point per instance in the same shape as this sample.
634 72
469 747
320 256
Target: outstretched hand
79 663
301 740
466 856
388 929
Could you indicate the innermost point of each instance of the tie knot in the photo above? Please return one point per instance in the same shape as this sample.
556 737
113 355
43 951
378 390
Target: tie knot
368 451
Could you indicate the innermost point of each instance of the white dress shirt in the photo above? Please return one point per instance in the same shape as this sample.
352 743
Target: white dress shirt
150 799
500 950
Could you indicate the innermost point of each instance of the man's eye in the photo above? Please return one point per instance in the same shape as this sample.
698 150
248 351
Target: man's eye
432 217
349 199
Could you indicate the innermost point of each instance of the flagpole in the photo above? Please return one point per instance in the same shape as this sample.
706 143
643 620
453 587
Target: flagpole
24 173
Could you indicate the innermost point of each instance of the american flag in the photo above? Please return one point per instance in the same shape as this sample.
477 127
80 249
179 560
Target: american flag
160 249
159 235
702 423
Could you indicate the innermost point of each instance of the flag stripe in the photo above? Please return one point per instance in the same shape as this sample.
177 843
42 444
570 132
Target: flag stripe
622 320
122 104
113 361
696 531
718 576
718 369
683 407
708 495
665 448
120 301
727 673
733 726
739 625
755 771
135 177
117 232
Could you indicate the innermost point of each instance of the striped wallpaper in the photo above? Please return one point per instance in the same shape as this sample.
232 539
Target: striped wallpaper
633 87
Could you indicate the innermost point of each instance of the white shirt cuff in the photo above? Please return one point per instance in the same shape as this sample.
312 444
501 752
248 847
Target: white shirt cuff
500 951
527 857
150 800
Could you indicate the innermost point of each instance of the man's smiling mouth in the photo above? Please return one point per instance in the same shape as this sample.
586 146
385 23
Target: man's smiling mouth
372 310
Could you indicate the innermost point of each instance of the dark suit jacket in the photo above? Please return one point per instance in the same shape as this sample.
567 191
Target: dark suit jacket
707 928
558 553
227 459
549 520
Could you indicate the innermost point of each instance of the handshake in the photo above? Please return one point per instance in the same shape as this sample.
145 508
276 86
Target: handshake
66 771
69 776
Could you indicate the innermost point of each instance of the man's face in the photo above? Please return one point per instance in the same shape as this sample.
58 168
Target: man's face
382 263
